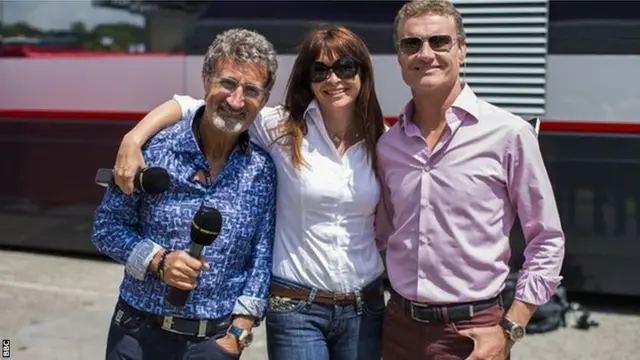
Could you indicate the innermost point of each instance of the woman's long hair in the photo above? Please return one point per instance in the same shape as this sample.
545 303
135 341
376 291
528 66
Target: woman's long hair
339 42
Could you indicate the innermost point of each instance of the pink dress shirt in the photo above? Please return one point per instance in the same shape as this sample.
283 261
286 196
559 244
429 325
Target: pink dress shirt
445 215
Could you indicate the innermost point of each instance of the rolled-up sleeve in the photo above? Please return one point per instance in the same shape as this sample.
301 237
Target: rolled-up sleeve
255 294
531 193
115 232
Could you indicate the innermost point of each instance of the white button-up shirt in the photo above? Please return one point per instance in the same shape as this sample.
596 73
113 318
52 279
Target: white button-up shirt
325 235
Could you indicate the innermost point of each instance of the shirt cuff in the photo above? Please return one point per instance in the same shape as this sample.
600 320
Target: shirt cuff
250 306
140 258
535 289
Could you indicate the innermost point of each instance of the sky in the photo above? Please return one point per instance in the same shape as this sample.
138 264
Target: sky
59 14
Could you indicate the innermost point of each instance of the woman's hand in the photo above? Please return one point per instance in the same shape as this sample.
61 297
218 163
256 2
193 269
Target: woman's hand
128 161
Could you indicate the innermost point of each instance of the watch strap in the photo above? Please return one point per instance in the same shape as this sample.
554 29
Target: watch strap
237 332
241 335
507 324
513 330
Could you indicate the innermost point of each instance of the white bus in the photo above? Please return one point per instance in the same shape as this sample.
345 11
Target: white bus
571 63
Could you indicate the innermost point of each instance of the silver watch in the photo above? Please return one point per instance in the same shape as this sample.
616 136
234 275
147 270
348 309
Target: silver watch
516 332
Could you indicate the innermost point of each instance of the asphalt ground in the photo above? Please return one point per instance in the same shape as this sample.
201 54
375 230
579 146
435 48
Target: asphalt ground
58 307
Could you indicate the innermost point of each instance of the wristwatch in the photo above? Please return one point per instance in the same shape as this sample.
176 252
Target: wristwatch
243 336
516 332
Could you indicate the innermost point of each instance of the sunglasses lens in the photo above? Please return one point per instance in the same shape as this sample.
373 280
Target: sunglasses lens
319 72
346 68
440 42
410 45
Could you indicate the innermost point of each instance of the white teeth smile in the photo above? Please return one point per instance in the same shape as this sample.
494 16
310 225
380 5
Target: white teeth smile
335 92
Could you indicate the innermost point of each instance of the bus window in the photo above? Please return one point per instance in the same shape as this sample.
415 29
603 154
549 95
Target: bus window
285 23
594 27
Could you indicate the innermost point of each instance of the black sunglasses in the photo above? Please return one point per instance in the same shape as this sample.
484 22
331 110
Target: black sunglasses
413 44
344 68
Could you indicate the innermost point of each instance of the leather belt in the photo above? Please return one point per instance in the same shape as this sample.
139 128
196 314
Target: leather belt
191 327
426 313
182 326
326 297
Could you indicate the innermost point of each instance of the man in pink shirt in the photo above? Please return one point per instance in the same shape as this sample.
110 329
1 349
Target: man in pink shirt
456 171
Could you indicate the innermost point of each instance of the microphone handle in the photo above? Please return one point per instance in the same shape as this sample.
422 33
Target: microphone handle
137 179
178 297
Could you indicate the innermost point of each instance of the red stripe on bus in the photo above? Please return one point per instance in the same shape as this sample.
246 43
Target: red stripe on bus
80 115
593 127
46 115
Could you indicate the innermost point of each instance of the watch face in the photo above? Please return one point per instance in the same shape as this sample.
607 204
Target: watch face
517 333
248 340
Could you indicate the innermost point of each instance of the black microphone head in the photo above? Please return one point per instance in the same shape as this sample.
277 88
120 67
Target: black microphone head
152 180
205 226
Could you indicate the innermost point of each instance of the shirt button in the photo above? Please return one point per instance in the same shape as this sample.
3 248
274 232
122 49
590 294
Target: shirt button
422 274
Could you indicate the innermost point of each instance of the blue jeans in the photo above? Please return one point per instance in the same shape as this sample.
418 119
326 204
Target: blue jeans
302 330
133 337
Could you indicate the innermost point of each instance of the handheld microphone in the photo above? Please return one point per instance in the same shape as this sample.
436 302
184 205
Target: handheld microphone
149 180
205 227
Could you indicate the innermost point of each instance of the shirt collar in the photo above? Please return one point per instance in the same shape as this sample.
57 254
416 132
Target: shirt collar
187 139
465 104
312 110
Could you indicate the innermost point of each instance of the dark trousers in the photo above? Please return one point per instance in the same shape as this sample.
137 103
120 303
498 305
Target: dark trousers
132 336
407 339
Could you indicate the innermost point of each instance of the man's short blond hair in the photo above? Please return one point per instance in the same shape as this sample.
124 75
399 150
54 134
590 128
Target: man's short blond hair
435 7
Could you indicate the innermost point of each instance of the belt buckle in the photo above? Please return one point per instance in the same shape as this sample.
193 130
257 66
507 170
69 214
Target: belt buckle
202 328
412 308
339 297
167 323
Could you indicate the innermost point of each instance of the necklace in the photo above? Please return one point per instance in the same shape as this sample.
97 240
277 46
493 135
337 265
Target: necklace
336 140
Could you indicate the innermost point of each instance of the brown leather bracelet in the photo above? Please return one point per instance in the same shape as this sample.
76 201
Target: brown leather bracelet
160 269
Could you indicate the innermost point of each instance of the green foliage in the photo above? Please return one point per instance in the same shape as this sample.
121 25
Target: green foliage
111 36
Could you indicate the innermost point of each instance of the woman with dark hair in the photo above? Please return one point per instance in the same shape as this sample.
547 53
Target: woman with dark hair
327 300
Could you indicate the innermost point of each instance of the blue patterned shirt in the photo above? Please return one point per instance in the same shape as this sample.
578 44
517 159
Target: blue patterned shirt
131 228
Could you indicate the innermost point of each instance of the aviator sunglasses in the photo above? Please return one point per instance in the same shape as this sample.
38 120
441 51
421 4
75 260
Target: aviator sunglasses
413 44
344 68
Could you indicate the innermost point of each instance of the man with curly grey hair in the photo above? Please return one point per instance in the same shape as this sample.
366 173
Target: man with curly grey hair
211 163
